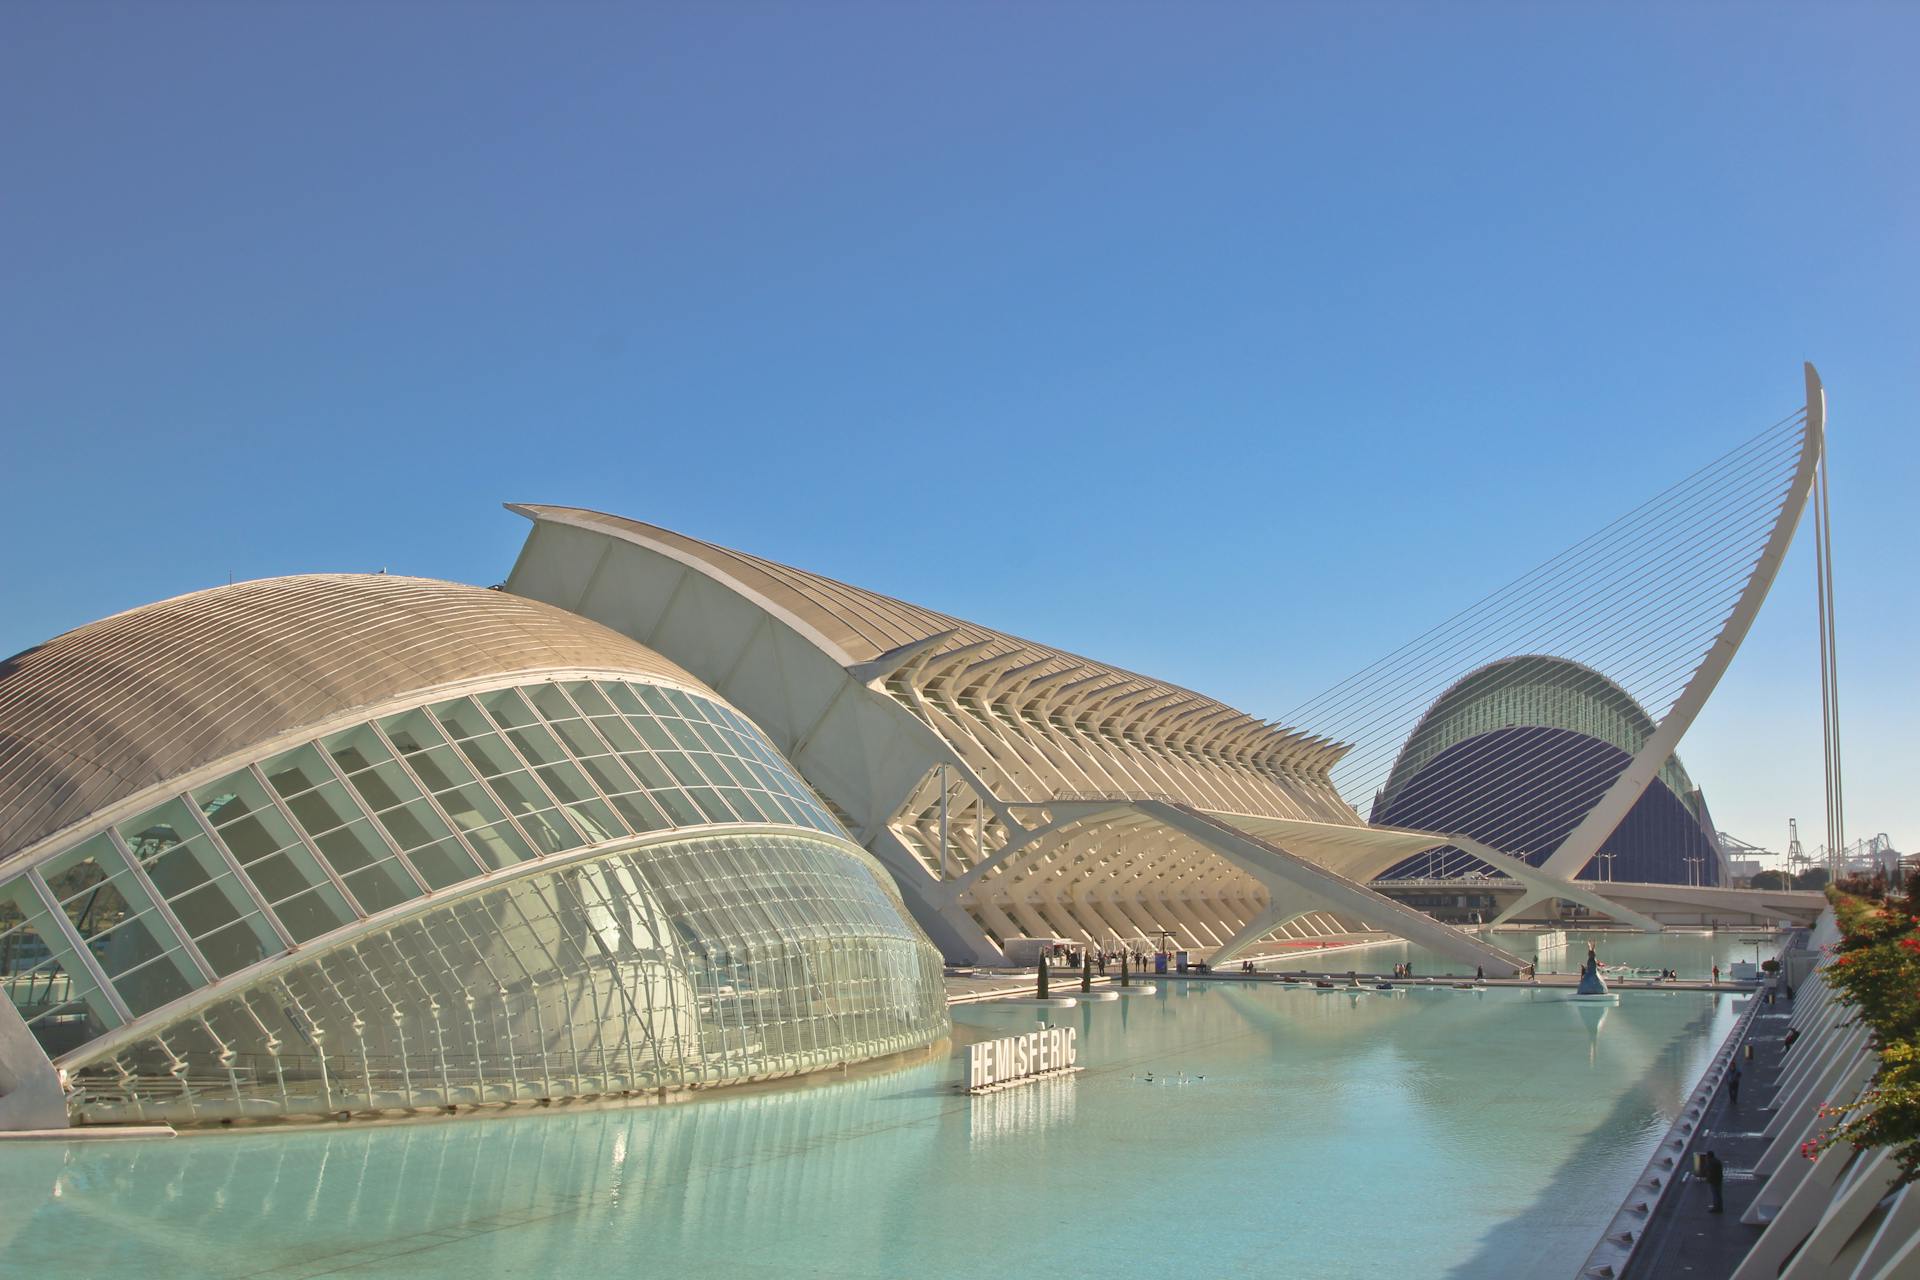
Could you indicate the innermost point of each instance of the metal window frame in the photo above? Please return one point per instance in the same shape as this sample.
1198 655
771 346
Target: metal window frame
299 830
161 905
77 945
239 871
353 797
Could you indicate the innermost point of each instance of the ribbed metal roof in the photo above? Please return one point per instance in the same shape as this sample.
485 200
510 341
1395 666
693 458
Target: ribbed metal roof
858 626
102 712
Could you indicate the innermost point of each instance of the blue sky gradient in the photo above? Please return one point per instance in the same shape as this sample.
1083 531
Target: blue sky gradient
1234 344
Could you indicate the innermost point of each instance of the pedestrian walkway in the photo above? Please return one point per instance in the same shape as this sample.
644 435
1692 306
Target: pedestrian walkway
1682 1238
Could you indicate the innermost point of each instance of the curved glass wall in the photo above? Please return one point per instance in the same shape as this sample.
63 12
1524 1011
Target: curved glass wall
693 961
301 843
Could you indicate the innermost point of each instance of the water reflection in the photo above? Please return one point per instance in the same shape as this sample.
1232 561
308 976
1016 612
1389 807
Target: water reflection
1297 1098
1021 1114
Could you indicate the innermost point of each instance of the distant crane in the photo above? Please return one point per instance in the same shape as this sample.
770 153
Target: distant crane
1797 860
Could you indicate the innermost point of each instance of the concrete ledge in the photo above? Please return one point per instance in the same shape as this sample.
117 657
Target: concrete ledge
85 1133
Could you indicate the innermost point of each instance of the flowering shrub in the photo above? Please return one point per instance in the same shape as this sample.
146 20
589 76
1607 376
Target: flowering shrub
1876 971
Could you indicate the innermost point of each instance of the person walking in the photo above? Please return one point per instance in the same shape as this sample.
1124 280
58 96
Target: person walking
1711 1172
1733 1085
1716 975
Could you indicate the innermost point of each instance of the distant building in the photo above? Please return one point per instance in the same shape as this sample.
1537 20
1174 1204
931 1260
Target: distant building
1517 752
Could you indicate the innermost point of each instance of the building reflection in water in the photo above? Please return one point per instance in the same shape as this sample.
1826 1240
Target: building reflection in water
1021 1114
737 1167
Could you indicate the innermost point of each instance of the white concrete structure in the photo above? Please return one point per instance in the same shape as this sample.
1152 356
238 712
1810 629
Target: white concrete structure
1011 788
356 843
1840 1216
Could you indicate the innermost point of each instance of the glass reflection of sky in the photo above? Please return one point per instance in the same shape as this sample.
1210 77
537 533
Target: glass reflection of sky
1286 1132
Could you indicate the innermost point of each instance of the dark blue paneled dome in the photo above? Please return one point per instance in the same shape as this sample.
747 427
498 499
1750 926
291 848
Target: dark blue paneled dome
1516 754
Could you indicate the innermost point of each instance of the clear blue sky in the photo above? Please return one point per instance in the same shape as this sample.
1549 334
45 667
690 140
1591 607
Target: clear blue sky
1232 343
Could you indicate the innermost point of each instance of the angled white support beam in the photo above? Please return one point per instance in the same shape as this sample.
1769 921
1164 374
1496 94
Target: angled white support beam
1585 840
1066 813
1289 877
874 674
1540 884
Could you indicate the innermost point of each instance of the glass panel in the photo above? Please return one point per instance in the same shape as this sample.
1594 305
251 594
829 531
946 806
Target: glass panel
711 804
550 702
471 807
711 739
682 768
353 848
297 770
609 776
652 734
461 719
94 887
413 826
549 831
238 945
241 811
640 812
682 704
280 876
324 808
508 708
488 755
384 786
588 698
356 748
535 744
500 845
147 988
753 805
648 770
683 735
439 768
49 988
681 808
656 701
317 911
580 739
519 793
412 731
622 697
443 864
172 848
618 733
382 886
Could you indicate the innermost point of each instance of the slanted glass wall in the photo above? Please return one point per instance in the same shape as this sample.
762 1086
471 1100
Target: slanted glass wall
296 845
703 960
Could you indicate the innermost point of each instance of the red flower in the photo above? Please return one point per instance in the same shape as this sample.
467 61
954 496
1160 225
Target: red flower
1911 944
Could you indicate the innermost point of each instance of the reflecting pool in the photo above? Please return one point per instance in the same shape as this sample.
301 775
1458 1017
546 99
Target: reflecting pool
1283 1133
1691 955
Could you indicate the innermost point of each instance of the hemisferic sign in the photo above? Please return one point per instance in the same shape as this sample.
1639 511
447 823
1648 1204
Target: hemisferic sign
994 1064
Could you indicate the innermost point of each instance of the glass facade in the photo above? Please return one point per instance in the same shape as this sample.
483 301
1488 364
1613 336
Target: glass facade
710 959
282 853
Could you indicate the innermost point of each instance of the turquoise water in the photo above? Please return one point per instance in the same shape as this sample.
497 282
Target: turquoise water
1427 1134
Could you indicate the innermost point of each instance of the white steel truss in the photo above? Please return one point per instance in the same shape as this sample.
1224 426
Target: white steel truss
1012 789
